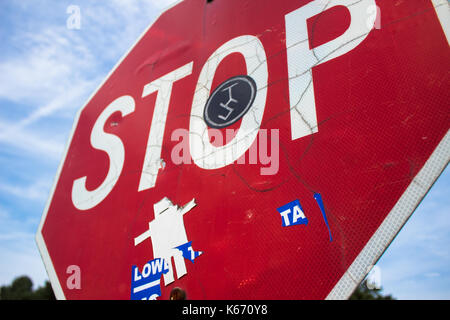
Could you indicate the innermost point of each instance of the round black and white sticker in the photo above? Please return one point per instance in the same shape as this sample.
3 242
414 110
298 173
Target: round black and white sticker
230 101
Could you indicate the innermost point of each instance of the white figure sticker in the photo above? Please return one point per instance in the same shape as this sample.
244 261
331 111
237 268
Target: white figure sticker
167 232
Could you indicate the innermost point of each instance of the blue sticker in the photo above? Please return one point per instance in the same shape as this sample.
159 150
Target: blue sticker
318 198
188 252
146 285
292 214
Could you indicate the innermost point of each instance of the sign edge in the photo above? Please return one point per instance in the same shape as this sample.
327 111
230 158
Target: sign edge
413 195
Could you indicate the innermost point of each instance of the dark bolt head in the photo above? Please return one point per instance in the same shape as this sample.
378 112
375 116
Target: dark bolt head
177 294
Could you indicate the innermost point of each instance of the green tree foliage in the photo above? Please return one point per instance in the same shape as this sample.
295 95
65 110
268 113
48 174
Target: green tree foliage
22 289
363 292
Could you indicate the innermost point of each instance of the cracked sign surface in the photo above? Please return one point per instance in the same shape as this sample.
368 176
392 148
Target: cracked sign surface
351 104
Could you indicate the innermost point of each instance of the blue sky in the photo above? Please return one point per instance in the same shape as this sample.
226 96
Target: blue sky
48 71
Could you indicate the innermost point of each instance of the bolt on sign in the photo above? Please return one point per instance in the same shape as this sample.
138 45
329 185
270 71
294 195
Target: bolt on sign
253 150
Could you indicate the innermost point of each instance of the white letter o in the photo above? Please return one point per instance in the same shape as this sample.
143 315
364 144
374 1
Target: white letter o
204 154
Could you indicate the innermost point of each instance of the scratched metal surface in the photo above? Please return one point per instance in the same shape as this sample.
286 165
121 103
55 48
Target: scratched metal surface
382 109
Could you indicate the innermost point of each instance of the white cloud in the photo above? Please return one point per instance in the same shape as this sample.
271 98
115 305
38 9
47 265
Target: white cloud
38 190
47 76
432 274
163 4
49 62
3 214
134 6
18 253
31 142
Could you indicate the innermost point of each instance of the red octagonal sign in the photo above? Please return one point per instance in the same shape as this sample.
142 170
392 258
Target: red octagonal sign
252 150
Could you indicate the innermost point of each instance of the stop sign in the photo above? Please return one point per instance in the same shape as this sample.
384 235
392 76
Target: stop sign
252 150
